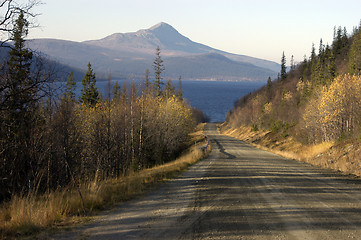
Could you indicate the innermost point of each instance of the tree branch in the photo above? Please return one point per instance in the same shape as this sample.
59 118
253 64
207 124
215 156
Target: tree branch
11 11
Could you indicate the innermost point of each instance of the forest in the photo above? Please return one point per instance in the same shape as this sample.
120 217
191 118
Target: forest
50 142
317 100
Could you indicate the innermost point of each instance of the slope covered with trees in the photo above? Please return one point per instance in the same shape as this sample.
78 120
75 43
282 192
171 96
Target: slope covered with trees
318 100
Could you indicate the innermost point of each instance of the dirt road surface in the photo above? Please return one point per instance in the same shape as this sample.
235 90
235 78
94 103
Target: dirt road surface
238 192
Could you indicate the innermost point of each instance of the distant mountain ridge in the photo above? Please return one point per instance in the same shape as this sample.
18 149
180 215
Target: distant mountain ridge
146 40
130 54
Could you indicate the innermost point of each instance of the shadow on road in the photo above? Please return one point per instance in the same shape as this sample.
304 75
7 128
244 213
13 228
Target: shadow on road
240 192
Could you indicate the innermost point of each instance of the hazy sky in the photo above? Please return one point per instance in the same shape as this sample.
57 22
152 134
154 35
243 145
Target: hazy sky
258 28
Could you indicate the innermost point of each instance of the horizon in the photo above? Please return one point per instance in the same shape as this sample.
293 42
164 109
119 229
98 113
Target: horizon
220 25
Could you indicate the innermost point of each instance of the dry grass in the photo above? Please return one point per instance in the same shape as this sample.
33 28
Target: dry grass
28 215
311 151
286 147
317 154
344 157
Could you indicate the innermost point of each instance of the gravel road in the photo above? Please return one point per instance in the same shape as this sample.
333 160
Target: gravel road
238 192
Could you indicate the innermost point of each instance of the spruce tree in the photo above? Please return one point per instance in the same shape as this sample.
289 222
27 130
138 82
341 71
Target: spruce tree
321 48
70 87
146 83
180 90
89 94
293 66
158 70
148 86
313 53
116 91
331 66
17 118
283 67
169 90
268 89
21 92
354 63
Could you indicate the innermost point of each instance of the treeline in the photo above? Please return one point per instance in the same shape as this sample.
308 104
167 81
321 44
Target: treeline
316 100
46 144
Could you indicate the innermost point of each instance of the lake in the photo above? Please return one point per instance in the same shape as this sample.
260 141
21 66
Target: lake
214 98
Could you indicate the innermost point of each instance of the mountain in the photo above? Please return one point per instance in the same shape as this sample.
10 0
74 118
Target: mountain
215 65
172 43
163 35
129 54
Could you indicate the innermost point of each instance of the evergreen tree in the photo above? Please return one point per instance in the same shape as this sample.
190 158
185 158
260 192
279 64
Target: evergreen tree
180 90
17 118
354 56
21 91
321 48
269 83
331 66
116 91
158 70
268 89
313 53
169 89
344 37
293 66
147 84
70 87
89 94
283 67
340 40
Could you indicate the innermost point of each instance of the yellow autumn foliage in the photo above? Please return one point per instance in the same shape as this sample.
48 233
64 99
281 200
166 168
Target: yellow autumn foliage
268 108
337 109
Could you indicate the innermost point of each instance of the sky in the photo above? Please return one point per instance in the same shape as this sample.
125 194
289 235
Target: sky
257 28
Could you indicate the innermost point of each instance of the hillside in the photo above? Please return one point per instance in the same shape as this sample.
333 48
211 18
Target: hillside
316 104
58 70
216 65
129 54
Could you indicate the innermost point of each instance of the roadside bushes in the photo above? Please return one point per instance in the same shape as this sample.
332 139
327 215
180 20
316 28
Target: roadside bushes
73 142
123 134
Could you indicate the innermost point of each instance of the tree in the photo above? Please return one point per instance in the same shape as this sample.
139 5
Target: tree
10 11
70 87
180 90
169 90
158 70
340 40
18 101
19 63
354 63
89 94
336 112
283 67
147 84
313 53
321 48
293 65
116 91
269 89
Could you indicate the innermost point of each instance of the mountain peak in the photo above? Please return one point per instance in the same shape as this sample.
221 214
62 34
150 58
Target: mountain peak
168 37
161 25
165 31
